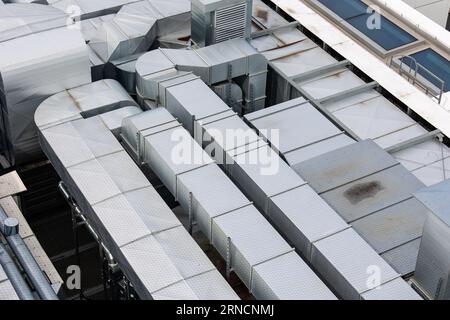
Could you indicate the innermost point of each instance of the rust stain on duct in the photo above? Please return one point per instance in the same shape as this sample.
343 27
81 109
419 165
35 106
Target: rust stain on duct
363 191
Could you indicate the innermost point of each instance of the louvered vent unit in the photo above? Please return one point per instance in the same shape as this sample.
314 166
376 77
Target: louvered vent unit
219 21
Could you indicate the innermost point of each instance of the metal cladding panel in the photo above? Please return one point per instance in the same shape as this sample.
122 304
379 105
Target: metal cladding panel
304 218
227 134
131 126
344 165
113 119
274 280
57 61
186 107
404 258
208 186
23 20
403 135
171 153
261 174
141 255
373 193
177 291
433 263
358 99
249 247
314 150
374 118
291 124
334 258
183 251
154 212
223 56
7 291
211 286
299 58
93 181
90 9
120 219
423 154
394 226
394 290
124 171
329 85
436 199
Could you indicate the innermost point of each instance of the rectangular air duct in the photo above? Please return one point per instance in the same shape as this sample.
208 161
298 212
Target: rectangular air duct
220 20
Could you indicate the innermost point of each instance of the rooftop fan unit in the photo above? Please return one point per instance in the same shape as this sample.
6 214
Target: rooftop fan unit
215 21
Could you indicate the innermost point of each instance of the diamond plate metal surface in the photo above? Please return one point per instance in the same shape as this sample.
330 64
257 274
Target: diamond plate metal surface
273 280
123 223
304 218
334 258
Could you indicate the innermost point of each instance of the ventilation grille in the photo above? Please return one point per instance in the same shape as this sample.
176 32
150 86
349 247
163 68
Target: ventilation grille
230 23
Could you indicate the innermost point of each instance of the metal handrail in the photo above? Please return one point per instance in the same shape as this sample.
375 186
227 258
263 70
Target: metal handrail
414 70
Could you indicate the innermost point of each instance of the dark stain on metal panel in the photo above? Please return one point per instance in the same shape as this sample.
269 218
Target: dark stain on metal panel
363 191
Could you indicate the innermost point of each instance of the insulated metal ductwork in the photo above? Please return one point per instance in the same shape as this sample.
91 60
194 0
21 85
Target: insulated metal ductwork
231 60
32 68
258 254
136 26
149 243
209 120
220 20
10 228
433 264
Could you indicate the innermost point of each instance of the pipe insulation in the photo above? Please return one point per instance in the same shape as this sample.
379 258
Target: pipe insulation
14 276
27 261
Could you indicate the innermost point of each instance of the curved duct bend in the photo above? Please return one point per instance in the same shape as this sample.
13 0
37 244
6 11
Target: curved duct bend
231 60
149 243
136 26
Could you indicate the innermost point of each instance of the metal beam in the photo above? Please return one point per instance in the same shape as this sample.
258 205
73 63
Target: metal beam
349 93
269 31
321 71
414 141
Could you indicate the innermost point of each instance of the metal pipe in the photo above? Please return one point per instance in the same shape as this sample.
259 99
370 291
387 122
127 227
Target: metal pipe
19 284
27 261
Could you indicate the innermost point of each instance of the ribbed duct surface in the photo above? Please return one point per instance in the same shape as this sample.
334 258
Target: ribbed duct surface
151 246
257 252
